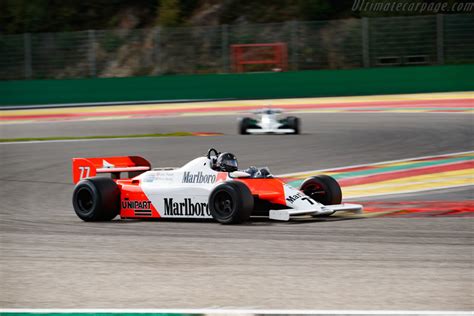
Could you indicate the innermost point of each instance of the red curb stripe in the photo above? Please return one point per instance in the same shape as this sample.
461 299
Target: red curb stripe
206 134
421 208
352 169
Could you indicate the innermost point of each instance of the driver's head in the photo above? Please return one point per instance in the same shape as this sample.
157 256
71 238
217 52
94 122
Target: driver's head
227 162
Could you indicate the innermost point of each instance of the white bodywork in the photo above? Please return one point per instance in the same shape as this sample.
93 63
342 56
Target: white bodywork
269 124
184 192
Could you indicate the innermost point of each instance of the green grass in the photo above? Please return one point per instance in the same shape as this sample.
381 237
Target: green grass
26 139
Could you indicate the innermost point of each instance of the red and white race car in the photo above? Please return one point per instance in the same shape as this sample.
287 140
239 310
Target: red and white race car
206 187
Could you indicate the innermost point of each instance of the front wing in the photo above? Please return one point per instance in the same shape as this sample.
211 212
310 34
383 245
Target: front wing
284 215
270 131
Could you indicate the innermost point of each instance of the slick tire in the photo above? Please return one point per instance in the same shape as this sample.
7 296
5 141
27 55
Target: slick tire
231 203
294 123
244 124
323 189
96 199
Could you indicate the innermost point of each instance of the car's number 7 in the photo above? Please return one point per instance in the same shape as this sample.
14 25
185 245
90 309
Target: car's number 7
85 172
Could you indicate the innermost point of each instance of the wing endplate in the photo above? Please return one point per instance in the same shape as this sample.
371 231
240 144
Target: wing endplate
90 167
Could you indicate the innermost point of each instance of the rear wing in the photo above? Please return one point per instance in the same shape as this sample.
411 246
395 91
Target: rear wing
268 111
90 167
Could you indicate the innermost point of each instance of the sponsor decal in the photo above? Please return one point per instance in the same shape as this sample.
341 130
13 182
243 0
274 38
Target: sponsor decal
164 176
149 177
186 208
106 164
199 177
293 198
136 205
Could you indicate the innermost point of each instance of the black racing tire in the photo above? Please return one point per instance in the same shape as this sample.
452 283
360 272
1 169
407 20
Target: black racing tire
96 199
293 123
244 124
231 203
323 189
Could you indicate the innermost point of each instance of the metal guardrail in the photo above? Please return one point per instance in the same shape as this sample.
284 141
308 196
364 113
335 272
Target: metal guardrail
332 44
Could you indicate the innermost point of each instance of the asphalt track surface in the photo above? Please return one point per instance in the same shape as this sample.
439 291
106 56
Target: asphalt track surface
49 258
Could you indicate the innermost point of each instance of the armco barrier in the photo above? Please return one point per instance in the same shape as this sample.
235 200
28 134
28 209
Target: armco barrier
241 86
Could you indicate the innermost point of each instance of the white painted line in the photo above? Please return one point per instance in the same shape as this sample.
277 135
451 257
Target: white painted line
81 140
238 311
295 174
400 194
350 198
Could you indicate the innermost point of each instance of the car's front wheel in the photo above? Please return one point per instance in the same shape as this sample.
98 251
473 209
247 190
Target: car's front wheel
294 124
231 203
96 199
323 189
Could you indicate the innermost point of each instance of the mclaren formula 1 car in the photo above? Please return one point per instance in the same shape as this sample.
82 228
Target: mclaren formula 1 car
268 122
199 189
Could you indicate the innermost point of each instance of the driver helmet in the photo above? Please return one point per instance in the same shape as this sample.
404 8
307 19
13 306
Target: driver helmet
227 162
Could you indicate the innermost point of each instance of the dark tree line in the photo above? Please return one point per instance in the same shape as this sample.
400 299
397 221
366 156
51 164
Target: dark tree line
20 16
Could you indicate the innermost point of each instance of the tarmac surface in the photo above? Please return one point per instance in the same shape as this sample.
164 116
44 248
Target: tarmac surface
51 259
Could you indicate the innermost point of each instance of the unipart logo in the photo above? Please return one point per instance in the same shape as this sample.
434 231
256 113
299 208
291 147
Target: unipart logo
136 205
186 208
199 177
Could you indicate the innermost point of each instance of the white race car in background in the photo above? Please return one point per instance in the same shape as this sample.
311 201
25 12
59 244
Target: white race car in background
268 122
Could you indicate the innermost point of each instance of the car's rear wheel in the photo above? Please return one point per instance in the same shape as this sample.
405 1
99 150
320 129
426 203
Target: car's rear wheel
96 199
294 124
323 189
231 203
